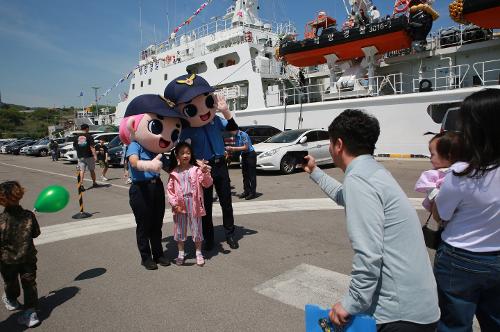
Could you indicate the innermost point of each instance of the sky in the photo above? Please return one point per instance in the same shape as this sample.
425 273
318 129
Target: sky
50 51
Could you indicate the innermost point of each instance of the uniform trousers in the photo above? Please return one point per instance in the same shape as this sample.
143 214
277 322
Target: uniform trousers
11 273
248 165
222 186
147 200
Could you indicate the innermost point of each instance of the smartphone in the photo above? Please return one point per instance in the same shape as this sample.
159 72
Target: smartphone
298 158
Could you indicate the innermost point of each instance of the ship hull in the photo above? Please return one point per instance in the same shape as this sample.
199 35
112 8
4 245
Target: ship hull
483 13
403 118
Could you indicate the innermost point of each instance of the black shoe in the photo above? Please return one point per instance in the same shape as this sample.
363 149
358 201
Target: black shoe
95 185
233 244
251 196
163 261
208 246
243 195
82 189
149 265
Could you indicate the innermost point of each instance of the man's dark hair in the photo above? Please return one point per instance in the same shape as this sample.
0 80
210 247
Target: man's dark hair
84 126
358 130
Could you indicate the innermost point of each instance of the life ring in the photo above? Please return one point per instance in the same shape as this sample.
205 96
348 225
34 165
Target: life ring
401 6
168 58
425 85
248 36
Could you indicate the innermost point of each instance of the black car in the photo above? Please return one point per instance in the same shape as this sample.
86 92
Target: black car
115 152
17 148
20 142
257 134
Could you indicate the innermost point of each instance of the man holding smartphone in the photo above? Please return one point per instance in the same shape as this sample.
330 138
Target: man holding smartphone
243 144
391 277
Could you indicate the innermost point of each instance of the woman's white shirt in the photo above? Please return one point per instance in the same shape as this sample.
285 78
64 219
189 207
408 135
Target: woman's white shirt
472 208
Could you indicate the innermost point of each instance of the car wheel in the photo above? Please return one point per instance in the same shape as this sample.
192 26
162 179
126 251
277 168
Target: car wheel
43 153
287 164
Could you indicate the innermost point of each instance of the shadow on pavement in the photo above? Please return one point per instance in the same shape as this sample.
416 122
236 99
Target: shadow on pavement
92 273
46 303
220 238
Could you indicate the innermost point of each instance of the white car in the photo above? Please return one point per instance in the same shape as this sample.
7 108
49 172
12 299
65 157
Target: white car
68 152
71 156
275 153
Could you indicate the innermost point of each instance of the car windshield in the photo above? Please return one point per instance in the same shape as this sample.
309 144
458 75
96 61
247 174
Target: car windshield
114 142
286 136
43 141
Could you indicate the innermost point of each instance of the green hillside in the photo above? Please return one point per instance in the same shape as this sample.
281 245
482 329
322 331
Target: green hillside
21 121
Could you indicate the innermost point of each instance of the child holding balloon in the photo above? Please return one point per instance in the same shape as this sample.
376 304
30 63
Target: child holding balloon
18 228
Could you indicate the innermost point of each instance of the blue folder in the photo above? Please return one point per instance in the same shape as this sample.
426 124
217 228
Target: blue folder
317 321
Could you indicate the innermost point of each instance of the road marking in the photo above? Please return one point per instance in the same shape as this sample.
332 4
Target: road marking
86 227
306 284
64 175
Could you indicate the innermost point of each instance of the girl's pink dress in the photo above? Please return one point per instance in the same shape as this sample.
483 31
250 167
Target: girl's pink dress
429 182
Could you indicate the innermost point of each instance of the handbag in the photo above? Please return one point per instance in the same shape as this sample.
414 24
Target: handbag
432 237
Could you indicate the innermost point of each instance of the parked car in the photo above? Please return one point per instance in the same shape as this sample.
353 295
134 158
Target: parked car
107 137
4 141
16 149
7 148
257 134
68 152
275 153
41 148
115 152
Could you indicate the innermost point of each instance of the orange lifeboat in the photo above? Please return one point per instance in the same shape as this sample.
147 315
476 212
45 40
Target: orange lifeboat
387 35
483 13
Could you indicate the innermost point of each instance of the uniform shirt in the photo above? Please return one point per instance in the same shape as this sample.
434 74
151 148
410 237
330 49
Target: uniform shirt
82 144
207 141
391 276
241 139
472 208
100 151
18 228
136 149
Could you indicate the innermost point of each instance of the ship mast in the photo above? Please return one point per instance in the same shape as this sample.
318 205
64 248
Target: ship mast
246 12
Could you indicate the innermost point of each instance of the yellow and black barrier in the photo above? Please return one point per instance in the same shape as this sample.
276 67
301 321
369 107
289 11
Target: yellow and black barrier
81 214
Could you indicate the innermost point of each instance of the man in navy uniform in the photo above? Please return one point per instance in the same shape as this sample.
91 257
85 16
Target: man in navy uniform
243 144
193 97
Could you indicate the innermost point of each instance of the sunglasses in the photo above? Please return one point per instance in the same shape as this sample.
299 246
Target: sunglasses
191 110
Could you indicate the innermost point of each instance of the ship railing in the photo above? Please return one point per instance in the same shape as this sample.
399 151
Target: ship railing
445 78
488 71
217 25
381 85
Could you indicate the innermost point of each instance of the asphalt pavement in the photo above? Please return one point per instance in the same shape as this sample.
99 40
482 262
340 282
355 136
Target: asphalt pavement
293 248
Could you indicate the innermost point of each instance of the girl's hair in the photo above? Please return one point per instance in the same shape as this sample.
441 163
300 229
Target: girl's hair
11 193
175 153
480 116
449 146
128 126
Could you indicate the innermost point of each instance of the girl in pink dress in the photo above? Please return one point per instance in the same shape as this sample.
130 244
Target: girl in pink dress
185 195
445 149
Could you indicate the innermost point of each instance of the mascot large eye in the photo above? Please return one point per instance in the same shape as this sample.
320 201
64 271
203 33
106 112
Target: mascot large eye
209 101
190 110
155 127
175 135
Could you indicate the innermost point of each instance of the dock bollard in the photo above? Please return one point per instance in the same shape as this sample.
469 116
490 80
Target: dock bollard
81 214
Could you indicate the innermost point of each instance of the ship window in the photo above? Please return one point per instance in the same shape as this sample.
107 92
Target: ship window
197 68
227 60
149 81
165 77
142 84
437 111
133 86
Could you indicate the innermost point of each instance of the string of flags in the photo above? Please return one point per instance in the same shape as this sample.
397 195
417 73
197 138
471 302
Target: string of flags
190 18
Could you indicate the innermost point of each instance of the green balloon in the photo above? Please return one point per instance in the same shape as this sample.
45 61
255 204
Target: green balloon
52 199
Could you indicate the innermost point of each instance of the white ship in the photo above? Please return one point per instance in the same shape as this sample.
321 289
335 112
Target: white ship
409 92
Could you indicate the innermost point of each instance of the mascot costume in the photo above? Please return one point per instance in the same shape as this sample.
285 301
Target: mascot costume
193 98
150 128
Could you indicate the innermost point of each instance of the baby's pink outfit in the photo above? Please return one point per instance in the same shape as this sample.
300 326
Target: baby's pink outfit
429 182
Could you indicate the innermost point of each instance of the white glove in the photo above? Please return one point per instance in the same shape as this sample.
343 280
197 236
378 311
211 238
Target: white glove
154 165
